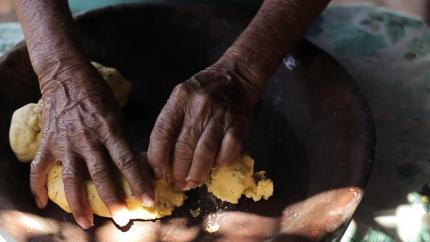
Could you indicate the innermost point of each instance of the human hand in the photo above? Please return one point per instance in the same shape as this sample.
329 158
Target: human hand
82 128
203 124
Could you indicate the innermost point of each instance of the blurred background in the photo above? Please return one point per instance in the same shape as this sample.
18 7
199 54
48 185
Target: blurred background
414 7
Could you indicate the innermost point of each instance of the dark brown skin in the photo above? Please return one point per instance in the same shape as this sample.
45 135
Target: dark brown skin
203 123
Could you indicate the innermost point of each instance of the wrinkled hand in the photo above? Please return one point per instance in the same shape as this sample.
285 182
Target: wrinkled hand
203 123
82 128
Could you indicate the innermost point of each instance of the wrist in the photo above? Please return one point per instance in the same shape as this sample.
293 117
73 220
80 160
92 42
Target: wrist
44 63
254 79
66 74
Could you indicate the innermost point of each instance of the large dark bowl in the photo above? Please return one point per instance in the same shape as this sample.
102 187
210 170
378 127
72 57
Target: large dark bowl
313 132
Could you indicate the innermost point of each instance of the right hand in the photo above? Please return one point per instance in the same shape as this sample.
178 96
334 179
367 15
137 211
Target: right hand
82 128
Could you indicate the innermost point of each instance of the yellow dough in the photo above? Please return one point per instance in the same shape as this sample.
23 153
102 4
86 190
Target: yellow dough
26 130
229 183
120 86
166 197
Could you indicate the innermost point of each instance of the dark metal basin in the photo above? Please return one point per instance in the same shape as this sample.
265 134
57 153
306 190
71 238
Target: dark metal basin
312 132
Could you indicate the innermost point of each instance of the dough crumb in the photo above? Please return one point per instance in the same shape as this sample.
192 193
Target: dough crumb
263 189
195 212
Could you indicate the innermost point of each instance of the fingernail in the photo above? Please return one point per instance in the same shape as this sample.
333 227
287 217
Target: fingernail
84 222
121 216
158 173
191 185
180 185
147 200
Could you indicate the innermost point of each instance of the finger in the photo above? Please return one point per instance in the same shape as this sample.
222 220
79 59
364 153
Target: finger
206 152
165 132
139 179
184 151
232 143
40 166
104 179
75 190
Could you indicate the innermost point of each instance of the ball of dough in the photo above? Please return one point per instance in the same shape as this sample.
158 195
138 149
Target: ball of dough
166 197
26 130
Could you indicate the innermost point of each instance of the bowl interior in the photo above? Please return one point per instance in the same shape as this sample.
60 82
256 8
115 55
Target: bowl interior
312 132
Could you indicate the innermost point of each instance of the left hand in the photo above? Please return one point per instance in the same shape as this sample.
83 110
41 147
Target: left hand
203 123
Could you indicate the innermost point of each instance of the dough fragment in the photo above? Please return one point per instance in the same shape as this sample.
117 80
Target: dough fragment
262 189
195 212
26 130
166 197
120 86
229 183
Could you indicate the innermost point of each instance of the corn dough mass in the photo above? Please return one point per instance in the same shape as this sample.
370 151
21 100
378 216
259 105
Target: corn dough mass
166 197
227 183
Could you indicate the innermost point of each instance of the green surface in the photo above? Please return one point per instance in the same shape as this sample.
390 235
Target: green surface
84 5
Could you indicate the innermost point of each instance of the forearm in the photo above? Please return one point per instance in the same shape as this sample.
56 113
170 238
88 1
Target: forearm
50 36
274 31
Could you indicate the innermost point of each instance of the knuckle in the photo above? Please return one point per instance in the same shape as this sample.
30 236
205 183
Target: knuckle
70 175
111 200
69 187
161 130
85 136
237 122
126 163
98 173
216 127
204 99
179 90
109 128
171 111
110 123
208 146
183 150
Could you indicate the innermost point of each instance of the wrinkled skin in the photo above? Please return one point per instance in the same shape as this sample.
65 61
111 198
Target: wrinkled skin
203 123
82 128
